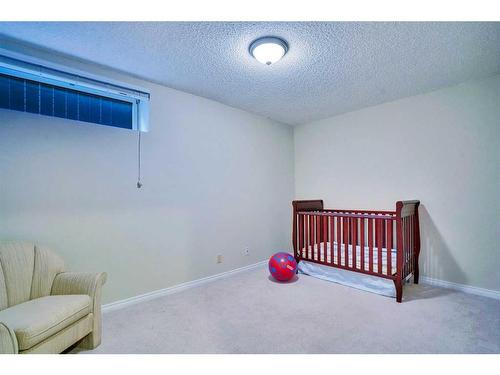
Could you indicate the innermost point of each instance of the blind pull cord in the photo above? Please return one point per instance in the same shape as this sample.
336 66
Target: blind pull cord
139 184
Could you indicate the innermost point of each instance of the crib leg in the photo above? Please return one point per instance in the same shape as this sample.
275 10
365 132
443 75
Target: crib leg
297 259
399 290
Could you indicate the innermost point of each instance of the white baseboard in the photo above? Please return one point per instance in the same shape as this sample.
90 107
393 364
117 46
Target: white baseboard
461 287
174 289
191 284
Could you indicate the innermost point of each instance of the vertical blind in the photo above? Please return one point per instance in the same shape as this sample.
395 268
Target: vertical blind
25 95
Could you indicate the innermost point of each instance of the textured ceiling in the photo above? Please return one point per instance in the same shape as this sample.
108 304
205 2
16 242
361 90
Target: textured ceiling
331 67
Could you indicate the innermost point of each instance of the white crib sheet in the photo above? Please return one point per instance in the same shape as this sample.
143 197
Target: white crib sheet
313 254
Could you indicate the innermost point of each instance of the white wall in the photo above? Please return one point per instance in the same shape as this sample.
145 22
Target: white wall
442 148
216 180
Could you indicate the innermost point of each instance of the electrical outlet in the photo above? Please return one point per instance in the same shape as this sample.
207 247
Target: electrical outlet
219 258
246 252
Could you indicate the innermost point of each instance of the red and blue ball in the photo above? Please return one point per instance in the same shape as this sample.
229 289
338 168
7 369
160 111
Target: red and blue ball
282 266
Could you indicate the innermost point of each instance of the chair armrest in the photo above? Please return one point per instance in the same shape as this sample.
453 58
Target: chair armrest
8 340
80 283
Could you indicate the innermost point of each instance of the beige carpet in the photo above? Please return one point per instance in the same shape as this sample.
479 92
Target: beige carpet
249 313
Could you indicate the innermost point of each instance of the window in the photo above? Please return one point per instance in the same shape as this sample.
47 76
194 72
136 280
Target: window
35 88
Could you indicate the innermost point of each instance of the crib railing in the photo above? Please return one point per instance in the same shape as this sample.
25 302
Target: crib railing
380 243
356 241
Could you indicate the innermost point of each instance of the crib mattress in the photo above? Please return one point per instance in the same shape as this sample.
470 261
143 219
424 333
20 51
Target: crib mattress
356 280
317 253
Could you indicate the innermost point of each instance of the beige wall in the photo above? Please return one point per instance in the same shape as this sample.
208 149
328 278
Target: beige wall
216 180
442 148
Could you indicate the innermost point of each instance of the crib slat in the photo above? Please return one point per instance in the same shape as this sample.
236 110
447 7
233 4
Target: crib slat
341 240
389 246
318 235
346 242
354 241
409 245
338 240
325 238
405 241
382 233
308 235
413 218
370 245
311 236
315 218
305 237
362 243
411 242
405 247
403 230
332 232
301 236
409 239
376 242
386 224
379 245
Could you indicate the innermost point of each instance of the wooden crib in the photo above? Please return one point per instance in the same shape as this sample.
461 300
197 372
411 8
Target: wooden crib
379 243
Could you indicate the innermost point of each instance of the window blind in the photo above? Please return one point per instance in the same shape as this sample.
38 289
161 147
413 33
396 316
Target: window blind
35 86
29 96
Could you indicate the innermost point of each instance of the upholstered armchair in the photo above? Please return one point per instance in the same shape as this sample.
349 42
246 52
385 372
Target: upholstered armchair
42 308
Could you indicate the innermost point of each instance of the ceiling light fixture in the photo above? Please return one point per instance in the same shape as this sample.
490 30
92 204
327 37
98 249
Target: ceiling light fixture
268 50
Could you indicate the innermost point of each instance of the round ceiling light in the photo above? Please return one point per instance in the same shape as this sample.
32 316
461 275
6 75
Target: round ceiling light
268 50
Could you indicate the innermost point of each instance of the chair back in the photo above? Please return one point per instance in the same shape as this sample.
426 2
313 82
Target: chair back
26 272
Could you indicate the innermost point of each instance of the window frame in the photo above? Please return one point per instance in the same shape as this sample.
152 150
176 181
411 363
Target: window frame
24 67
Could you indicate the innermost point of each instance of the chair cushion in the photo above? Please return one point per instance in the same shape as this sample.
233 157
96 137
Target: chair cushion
35 320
